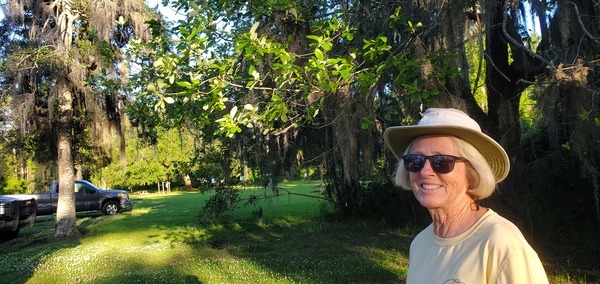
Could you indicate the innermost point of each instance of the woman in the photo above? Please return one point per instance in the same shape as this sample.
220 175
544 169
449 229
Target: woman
449 164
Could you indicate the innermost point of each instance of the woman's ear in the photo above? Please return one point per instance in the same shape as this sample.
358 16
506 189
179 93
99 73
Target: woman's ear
472 179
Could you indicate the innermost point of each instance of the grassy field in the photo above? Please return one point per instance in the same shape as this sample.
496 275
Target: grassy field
161 241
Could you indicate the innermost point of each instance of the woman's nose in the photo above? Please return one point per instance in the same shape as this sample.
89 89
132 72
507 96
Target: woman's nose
427 169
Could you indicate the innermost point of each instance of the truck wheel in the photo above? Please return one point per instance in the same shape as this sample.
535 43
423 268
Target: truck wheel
110 208
9 235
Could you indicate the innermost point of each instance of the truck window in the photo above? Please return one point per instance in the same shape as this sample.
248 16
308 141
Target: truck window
82 188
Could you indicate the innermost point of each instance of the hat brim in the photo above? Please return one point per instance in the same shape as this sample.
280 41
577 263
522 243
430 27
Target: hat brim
397 139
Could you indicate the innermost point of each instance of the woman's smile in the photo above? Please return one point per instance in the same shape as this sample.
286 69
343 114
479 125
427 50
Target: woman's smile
430 187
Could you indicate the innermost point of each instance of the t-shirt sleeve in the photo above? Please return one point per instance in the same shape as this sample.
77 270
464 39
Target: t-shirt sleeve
522 266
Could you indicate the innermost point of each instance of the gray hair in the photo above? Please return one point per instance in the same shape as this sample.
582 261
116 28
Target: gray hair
479 173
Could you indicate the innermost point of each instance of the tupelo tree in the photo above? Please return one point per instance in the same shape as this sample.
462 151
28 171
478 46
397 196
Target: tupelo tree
292 75
327 77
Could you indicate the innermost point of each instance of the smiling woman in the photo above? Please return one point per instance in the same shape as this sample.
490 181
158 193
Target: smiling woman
449 165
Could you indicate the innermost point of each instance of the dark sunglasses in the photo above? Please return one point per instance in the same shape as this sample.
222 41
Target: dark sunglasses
441 164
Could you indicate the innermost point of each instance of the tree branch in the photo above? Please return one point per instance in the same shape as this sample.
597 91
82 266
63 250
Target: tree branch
516 43
491 61
581 23
481 54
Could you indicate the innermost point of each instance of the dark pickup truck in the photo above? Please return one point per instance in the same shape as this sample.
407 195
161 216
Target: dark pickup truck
15 213
88 198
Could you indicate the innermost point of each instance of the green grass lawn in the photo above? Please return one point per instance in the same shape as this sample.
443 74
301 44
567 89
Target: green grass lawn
162 241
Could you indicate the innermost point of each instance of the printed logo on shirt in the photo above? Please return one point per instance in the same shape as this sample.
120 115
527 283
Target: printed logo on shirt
453 281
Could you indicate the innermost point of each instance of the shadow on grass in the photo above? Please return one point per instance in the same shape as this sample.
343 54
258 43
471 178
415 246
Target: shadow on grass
20 257
289 244
317 251
300 246
160 276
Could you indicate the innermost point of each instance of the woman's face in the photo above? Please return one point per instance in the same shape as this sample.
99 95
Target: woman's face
434 190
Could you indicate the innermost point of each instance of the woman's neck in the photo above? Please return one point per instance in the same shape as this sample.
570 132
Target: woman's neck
451 223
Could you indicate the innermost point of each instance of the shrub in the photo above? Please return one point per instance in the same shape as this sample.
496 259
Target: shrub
381 199
15 186
224 200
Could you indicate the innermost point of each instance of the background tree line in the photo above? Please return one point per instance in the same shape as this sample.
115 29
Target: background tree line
272 89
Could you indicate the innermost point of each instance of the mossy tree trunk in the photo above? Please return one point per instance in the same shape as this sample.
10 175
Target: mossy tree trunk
66 221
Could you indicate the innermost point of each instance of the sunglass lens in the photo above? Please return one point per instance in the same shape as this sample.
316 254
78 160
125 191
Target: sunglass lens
442 164
414 163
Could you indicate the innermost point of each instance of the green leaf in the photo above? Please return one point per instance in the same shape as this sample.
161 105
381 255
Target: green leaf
345 73
253 34
333 61
294 13
585 114
255 75
233 111
150 87
319 54
159 105
185 84
314 37
364 124
194 32
251 84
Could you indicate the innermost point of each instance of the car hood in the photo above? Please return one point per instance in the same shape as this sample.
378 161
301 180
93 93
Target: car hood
114 190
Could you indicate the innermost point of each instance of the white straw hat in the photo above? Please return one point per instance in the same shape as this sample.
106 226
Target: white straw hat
451 122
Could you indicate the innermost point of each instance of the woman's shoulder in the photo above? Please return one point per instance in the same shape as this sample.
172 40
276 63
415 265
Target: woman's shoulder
424 236
495 221
500 231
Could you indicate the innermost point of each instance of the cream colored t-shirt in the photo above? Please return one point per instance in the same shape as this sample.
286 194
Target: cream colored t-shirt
491 251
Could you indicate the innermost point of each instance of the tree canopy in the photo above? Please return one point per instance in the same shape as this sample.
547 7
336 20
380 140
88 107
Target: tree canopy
324 78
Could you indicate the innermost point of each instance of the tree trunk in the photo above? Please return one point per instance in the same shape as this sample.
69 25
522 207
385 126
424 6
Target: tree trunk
346 124
504 94
188 182
273 148
66 222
